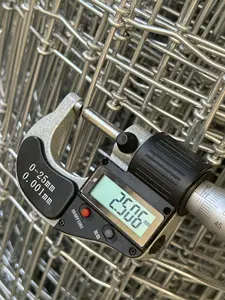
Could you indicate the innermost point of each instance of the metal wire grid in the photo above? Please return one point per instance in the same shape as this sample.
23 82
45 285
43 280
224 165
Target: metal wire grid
156 63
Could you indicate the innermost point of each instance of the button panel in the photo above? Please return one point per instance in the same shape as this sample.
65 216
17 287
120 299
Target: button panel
95 228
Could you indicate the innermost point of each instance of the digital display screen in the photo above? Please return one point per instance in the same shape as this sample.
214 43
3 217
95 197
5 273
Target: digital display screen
122 205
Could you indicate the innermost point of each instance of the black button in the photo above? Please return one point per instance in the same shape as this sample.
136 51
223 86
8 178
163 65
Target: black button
109 233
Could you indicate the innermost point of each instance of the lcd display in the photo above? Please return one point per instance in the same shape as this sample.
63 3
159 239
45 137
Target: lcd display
122 205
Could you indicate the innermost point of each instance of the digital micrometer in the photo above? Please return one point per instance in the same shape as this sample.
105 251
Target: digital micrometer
134 199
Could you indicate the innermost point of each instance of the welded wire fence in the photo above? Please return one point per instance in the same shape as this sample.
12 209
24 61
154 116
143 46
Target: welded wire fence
160 64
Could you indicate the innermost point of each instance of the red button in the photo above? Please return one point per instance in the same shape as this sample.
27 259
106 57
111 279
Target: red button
85 212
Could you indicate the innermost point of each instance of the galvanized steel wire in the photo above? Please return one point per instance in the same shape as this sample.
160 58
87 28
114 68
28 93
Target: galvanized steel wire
160 64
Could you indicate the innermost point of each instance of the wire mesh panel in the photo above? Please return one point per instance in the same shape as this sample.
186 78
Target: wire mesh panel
160 64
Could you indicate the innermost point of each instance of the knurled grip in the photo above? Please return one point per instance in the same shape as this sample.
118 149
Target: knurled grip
168 167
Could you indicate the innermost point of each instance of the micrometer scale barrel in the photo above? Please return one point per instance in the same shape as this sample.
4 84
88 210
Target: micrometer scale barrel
207 204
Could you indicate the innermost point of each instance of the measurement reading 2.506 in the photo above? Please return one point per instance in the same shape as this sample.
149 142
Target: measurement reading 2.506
41 176
132 214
